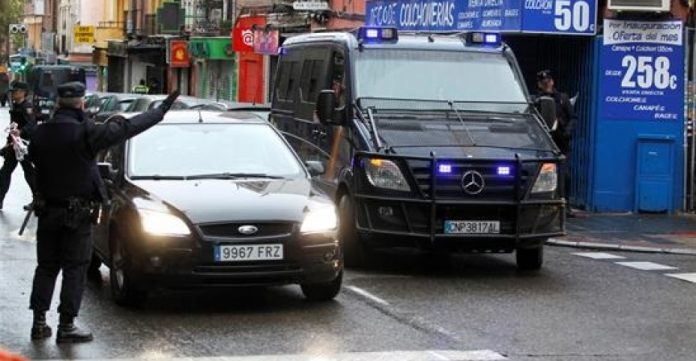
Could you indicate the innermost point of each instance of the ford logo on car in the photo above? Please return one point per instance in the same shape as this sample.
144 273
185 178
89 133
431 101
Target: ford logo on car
248 230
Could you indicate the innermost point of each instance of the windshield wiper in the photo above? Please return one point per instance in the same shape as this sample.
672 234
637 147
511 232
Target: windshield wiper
158 177
228 175
461 120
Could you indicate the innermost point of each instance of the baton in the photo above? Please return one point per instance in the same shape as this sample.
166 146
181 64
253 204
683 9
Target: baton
26 220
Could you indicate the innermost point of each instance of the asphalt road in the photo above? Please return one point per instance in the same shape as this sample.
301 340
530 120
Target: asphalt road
407 308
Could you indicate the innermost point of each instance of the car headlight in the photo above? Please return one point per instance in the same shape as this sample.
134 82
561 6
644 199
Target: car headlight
320 220
547 181
163 224
386 174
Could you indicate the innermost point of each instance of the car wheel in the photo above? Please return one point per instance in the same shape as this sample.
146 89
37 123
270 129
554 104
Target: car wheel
354 251
124 284
323 291
530 259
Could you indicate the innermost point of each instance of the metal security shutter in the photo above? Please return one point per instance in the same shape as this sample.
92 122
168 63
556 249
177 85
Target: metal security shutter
571 59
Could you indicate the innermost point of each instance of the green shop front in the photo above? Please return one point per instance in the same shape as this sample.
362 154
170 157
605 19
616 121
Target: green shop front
214 68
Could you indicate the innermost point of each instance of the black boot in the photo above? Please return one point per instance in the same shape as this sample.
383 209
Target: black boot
69 333
39 329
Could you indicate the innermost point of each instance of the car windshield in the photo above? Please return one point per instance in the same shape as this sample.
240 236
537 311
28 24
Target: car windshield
476 80
183 150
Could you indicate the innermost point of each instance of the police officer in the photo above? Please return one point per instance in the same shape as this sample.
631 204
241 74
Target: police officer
21 116
68 190
562 129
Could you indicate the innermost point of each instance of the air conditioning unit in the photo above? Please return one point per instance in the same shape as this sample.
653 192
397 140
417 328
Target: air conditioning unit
640 5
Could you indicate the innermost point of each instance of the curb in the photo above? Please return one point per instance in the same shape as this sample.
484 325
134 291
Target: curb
620 247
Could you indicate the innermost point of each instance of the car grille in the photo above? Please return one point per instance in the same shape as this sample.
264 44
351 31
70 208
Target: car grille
449 186
232 229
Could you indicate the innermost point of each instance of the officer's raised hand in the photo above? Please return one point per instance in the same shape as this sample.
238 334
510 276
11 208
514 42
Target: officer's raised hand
169 101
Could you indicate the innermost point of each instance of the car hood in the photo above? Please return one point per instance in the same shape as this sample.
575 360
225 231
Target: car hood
214 200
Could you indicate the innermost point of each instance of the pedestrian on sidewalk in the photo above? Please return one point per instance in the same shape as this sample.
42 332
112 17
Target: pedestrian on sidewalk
562 129
69 193
22 124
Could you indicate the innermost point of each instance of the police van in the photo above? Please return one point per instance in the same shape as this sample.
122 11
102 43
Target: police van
427 141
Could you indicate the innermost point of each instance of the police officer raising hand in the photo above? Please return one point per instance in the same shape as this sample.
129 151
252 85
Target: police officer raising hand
68 194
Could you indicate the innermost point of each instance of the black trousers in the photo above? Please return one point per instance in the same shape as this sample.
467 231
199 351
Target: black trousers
6 173
61 248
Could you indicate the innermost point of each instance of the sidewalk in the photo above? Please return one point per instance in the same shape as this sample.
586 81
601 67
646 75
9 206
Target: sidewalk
631 232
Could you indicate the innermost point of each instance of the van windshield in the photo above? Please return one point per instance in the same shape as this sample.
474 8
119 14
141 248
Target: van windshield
476 80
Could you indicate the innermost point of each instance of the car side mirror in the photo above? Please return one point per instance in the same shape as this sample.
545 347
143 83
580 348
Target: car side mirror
106 171
547 109
326 105
315 168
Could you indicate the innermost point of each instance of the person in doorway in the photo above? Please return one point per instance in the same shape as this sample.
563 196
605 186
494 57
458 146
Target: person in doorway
22 124
69 192
562 129
141 88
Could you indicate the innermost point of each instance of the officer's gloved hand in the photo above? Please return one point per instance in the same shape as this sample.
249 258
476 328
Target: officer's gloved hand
167 103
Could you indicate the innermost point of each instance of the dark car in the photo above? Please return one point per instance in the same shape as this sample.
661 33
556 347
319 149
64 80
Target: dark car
206 199
112 104
429 141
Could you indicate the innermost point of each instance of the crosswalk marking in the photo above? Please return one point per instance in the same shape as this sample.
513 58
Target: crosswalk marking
646 266
689 277
599 255
429 355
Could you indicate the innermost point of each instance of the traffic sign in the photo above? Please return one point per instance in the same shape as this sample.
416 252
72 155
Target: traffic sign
84 34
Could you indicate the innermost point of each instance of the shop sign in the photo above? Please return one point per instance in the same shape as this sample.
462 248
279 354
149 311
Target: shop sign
570 17
243 33
84 34
311 5
642 71
178 54
266 42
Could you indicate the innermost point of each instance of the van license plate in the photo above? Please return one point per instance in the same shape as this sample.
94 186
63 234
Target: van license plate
472 227
256 252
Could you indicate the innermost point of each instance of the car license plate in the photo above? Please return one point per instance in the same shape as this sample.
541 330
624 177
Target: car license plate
45 111
256 252
472 227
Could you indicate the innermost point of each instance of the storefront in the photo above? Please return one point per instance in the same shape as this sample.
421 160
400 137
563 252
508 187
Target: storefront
214 68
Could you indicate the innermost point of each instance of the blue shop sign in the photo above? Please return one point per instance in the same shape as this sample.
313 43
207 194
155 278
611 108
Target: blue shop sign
572 17
642 71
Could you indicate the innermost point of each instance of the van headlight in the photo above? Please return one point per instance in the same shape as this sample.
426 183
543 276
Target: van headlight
383 173
320 220
547 180
163 224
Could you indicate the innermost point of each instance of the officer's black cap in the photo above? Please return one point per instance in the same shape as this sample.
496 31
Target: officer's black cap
18 85
73 89
544 75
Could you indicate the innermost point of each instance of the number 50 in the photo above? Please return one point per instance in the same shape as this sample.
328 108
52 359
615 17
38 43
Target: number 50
578 17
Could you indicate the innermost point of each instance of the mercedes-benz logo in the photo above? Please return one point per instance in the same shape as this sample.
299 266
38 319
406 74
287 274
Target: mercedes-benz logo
248 230
473 182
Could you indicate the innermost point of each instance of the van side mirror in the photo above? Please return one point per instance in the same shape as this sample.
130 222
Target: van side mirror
326 104
315 168
547 109
106 171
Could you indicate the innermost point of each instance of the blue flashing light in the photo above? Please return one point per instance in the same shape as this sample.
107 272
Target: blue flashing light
503 170
481 38
444 168
368 34
282 51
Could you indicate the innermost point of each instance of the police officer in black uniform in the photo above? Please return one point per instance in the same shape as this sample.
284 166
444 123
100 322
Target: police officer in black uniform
562 129
21 114
68 193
